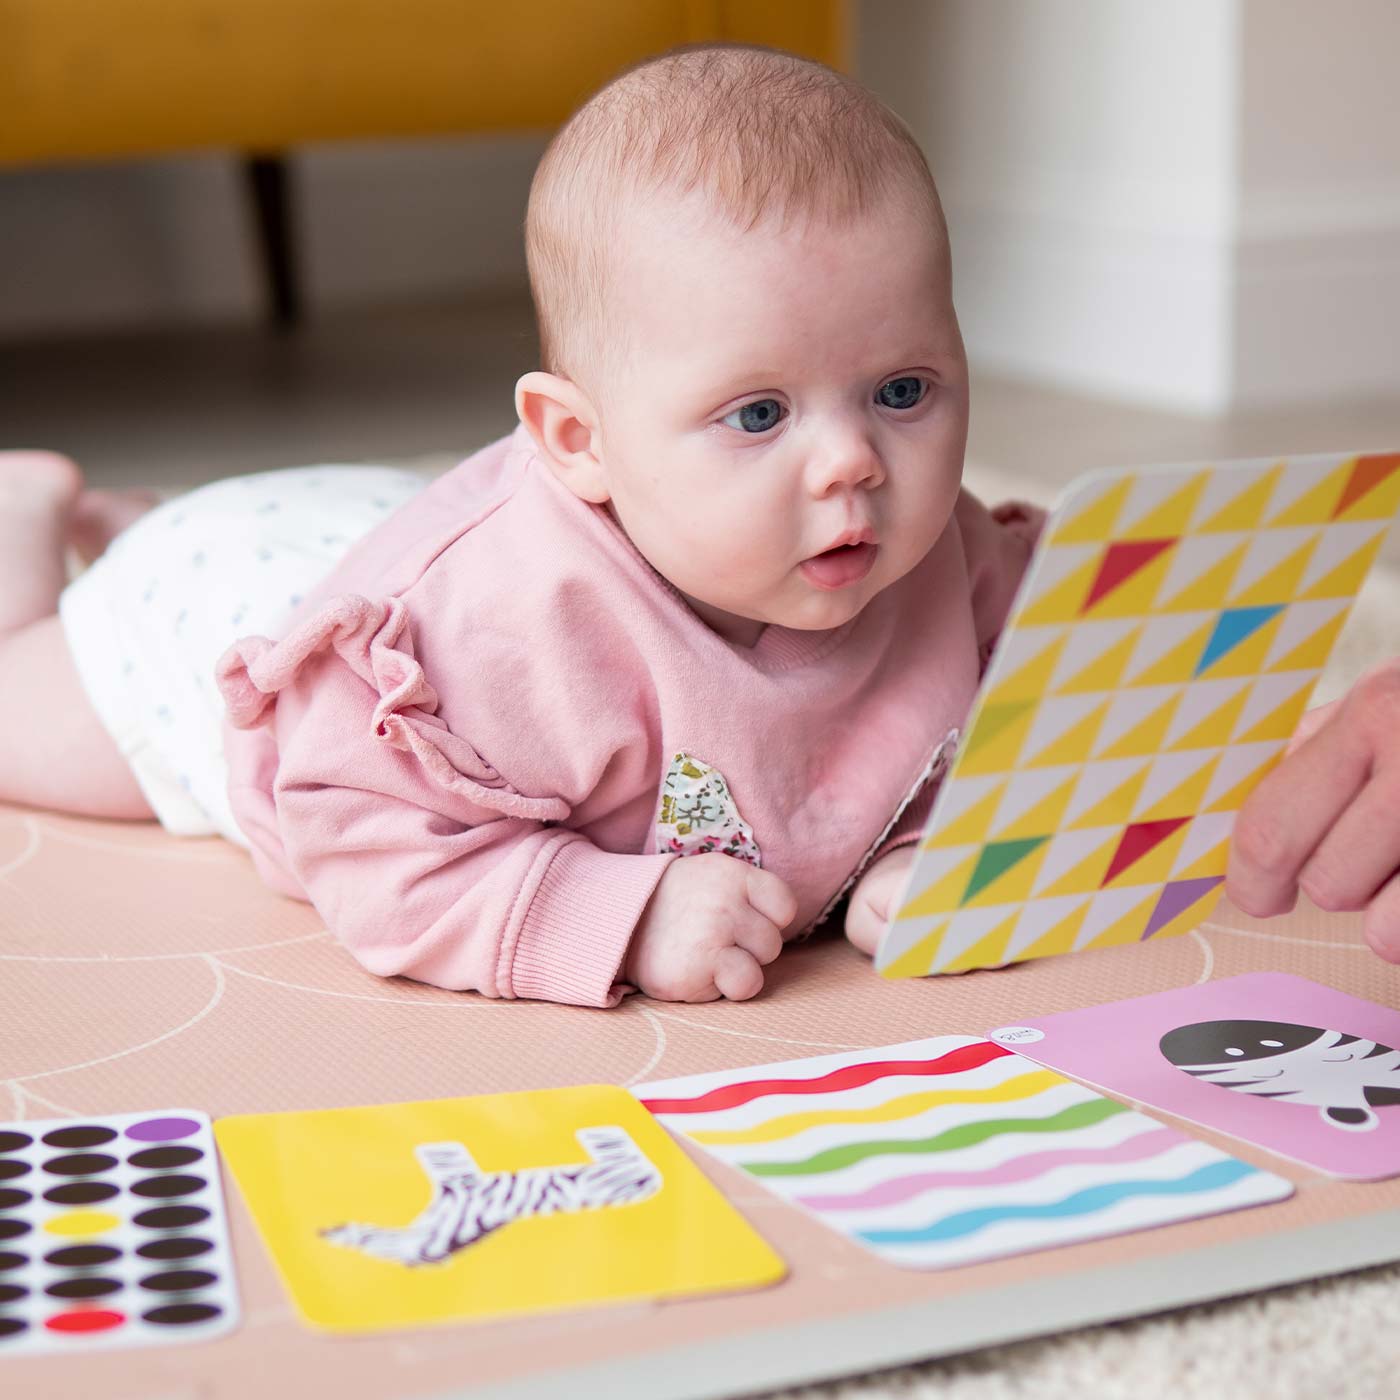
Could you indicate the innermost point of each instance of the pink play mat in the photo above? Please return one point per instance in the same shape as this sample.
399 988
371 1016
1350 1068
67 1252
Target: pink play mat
140 971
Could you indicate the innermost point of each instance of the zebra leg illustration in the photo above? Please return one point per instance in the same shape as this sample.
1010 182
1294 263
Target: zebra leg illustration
621 1171
429 1237
468 1203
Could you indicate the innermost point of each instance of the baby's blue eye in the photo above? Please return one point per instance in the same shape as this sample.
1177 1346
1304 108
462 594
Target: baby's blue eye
903 392
756 417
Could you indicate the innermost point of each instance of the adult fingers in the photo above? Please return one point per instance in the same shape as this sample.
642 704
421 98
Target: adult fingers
1361 851
770 896
1311 722
1382 922
737 974
1288 814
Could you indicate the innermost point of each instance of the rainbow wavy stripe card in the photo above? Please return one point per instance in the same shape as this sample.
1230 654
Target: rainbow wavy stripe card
952 1150
401 1215
1156 662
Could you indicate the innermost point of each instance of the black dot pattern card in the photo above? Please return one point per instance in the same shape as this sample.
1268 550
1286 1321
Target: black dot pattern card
112 1234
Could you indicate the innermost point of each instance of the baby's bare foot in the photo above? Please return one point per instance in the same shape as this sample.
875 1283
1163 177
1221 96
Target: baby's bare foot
98 517
37 492
40 485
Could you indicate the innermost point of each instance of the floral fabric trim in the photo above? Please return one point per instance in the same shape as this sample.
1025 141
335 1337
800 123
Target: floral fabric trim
698 814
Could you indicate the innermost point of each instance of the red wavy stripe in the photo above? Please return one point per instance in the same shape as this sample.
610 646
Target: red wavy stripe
848 1077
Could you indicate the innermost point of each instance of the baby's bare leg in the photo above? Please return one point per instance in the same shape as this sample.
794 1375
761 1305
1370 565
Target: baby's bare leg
54 751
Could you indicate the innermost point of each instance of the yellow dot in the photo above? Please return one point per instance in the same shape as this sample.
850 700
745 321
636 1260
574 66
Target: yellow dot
82 1222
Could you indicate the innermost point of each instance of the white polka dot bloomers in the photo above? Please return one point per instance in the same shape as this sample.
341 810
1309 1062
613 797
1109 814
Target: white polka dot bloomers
148 620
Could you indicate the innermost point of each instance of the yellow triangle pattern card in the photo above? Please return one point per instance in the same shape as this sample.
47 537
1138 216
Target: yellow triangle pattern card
1155 663
500 1205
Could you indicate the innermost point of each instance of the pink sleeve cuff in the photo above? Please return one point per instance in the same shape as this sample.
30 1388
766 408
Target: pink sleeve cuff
910 826
578 923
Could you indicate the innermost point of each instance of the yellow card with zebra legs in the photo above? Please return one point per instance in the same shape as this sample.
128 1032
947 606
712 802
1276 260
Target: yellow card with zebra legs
447 1210
1154 665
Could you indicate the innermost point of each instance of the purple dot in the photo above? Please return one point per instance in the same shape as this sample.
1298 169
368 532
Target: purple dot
162 1129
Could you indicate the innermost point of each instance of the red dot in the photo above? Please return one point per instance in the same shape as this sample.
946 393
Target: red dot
86 1320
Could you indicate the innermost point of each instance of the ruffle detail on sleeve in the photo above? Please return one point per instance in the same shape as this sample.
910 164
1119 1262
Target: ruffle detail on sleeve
374 640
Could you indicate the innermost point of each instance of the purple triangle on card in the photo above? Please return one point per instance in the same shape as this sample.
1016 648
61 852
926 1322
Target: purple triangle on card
1179 895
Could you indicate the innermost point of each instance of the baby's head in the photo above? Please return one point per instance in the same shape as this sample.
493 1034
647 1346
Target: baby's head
742 282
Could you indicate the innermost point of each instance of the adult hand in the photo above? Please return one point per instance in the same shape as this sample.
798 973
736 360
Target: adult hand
1327 819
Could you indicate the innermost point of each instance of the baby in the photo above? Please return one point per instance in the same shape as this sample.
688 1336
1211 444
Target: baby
635 694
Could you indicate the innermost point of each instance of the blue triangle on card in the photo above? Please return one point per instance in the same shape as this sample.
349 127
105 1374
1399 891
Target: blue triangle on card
1231 628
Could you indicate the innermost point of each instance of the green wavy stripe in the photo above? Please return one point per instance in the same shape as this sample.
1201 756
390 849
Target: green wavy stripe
1079 1115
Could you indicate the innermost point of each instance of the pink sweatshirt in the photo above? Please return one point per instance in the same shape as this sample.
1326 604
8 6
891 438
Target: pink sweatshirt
458 753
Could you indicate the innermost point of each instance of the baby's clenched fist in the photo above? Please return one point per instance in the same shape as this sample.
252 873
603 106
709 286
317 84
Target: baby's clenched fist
872 901
710 927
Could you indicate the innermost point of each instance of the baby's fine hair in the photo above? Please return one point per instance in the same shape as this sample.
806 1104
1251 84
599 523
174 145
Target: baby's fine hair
766 138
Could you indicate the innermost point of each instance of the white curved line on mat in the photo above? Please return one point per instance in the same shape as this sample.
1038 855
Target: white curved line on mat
32 1097
32 828
754 1035
1283 938
660 1032
1209 954
486 1004
215 967
161 957
95 843
16 1099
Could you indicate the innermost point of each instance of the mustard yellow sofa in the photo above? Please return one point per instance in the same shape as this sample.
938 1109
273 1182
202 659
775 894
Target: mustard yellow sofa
99 79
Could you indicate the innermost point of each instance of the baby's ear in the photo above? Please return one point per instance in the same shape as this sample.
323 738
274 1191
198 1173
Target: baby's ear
558 415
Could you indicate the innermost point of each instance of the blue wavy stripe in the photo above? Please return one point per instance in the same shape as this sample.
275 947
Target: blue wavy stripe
1086 1202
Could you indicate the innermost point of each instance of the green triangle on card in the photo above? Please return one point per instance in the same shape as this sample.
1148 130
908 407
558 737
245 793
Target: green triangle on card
996 859
991 720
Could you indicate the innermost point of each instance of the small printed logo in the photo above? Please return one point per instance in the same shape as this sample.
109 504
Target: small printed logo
1018 1035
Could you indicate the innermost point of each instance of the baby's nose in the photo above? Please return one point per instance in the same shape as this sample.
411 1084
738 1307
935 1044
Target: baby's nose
847 461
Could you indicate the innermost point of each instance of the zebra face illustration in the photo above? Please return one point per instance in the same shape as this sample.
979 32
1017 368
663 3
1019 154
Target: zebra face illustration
1344 1077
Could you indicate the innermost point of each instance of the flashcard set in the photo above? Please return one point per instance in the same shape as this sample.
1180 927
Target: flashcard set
932 1154
1154 666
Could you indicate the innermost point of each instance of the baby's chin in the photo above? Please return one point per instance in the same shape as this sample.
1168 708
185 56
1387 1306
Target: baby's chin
821 611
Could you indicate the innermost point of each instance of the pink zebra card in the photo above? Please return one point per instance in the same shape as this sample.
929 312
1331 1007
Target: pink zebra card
453 1210
1271 1059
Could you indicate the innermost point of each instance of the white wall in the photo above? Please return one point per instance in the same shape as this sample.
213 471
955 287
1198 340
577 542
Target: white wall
1082 150
1317 289
1193 204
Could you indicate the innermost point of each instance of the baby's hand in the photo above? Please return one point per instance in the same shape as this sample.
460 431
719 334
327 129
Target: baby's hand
710 926
872 899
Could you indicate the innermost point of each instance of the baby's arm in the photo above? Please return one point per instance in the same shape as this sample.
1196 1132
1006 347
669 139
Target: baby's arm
997 545
425 863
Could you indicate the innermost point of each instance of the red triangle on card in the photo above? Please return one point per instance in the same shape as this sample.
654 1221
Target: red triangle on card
1135 843
1121 560
1367 474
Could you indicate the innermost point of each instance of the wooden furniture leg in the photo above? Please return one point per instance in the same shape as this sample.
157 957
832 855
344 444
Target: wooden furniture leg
269 183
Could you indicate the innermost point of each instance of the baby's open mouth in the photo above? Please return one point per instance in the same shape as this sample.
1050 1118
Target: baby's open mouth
840 567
